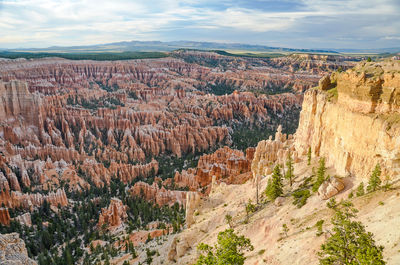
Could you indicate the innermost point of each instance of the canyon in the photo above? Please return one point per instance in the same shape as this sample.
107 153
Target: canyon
116 146
83 123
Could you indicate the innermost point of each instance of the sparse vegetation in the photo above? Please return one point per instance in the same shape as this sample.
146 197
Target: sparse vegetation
285 230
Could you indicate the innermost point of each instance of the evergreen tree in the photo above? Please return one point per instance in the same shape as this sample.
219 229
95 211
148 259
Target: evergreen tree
275 188
375 181
309 156
349 243
228 219
250 208
360 190
289 166
230 249
320 175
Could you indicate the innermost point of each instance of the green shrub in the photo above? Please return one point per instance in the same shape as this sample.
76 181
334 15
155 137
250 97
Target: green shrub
318 225
300 197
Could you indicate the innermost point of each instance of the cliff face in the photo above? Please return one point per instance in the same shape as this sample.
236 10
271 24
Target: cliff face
13 251
16 101
360 126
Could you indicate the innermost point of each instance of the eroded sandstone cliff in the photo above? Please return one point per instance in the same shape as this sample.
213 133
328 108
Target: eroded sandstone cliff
355 124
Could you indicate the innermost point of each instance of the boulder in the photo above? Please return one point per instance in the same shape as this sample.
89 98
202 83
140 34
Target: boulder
279 201
330 188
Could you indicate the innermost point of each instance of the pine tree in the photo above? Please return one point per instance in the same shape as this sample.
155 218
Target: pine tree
360 190
275 188
230 249
289 165
228 219
349 243
375 181
250 208
320 175
309 156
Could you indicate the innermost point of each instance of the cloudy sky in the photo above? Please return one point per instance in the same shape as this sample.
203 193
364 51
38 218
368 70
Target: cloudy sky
285 23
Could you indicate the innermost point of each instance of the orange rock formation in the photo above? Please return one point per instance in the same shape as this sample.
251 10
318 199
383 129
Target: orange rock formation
113 216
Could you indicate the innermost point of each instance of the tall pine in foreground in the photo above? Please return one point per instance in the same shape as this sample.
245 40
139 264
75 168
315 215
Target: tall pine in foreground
349 243
275 188
230 249
375 180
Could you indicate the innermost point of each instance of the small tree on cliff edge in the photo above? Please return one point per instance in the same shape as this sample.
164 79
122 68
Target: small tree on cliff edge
349 243
274 188
289 172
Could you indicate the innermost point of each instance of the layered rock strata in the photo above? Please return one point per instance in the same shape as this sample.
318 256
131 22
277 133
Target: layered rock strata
356 124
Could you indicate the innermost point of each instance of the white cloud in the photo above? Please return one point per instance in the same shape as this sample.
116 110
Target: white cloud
44 22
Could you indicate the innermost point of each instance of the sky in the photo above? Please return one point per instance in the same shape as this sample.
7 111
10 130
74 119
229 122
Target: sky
285 23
